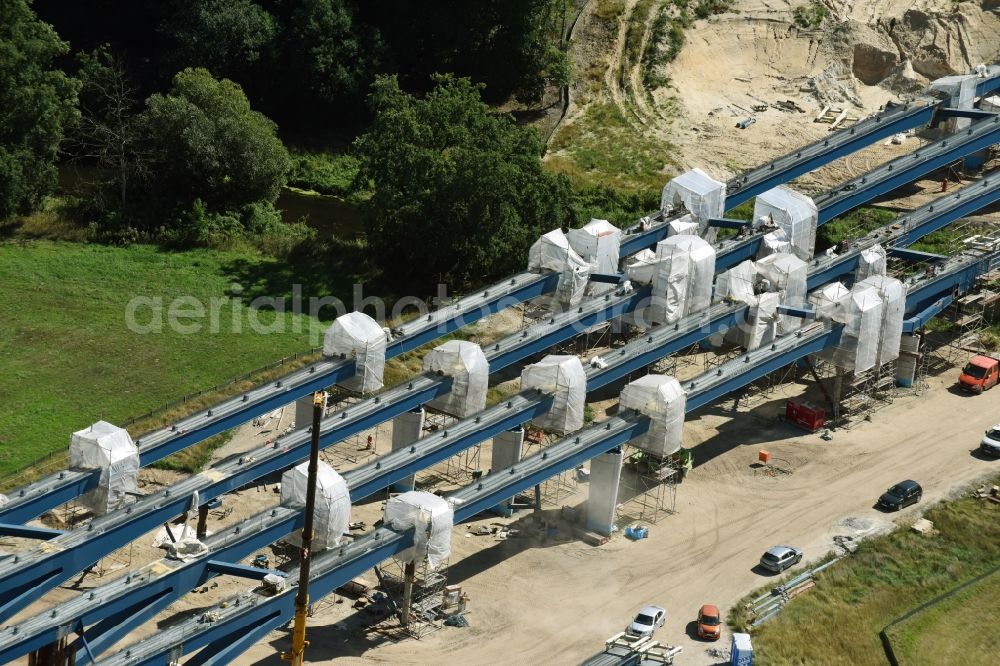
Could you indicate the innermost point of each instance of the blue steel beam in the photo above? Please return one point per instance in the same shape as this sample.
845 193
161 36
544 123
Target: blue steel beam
241 570
727 223
989 84
975 114
889 122
915 322
904 170
607 278
916 256
27 532
944 210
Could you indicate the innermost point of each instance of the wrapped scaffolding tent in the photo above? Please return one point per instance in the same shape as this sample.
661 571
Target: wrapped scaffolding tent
702 196
829 301
861 315
332 513
737 284
431 518
662 399
356 336
683 282
642 268
871 262
110 449
466 364
773 243
564 379
683 225
793 213
761 326
598 243
893 293
787 275
552 252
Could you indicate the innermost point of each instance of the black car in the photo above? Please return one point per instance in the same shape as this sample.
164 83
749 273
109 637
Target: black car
900 495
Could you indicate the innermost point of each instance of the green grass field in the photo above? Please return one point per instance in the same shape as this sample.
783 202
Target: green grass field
67 357
838 621
960 630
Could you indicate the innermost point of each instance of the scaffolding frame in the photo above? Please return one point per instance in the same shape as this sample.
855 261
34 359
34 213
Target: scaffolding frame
427 596
651 485
864 393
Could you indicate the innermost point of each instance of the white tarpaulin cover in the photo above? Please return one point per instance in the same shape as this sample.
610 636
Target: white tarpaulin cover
682 225
829 300
110 449
702 196
871 262
662 399
3 499
736 284
598 243
552 252
642 268
466 364
793 213
991 104
356 336
857 350
332 514
787 275
563 378
962 90
683 282
773 243
431 516
761 326
893 293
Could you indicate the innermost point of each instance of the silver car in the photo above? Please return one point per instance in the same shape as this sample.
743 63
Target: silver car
648 620
990 444
779 558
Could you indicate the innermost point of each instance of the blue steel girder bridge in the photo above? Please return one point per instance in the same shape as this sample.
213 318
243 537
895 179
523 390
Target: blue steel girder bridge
100 621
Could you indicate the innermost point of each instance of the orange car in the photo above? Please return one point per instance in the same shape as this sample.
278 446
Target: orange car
709 623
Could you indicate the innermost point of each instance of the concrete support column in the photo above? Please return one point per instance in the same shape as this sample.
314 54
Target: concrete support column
507 448
406 429
304 412
605 475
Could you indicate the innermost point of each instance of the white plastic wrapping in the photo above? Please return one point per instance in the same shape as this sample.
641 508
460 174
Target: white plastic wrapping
110 449
787 275
356 336
829 301
773 243
893 293
598 243
702 196
736 284
662 399
432 519
682 225
3 499
761 327
642 268
466 364
552 252
792 212
683 282
563 378
332 514
871 262
861 315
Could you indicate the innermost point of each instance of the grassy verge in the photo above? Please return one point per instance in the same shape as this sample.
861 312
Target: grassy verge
959 630
839 620
326 172
68 357
602 149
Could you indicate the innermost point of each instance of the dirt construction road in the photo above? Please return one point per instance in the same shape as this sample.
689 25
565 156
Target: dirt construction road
536 601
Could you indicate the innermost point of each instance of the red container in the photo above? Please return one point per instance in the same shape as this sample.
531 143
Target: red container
805 415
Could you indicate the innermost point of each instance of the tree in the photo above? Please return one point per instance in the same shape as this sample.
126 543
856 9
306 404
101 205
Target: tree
107 131
459 192
203 141
228 37
37 104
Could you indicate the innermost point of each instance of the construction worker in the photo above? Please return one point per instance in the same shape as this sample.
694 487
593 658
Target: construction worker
371 444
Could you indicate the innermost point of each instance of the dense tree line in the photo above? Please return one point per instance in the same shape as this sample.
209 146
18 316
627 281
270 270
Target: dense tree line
175 104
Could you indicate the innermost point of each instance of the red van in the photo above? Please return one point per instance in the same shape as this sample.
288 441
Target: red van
979 374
